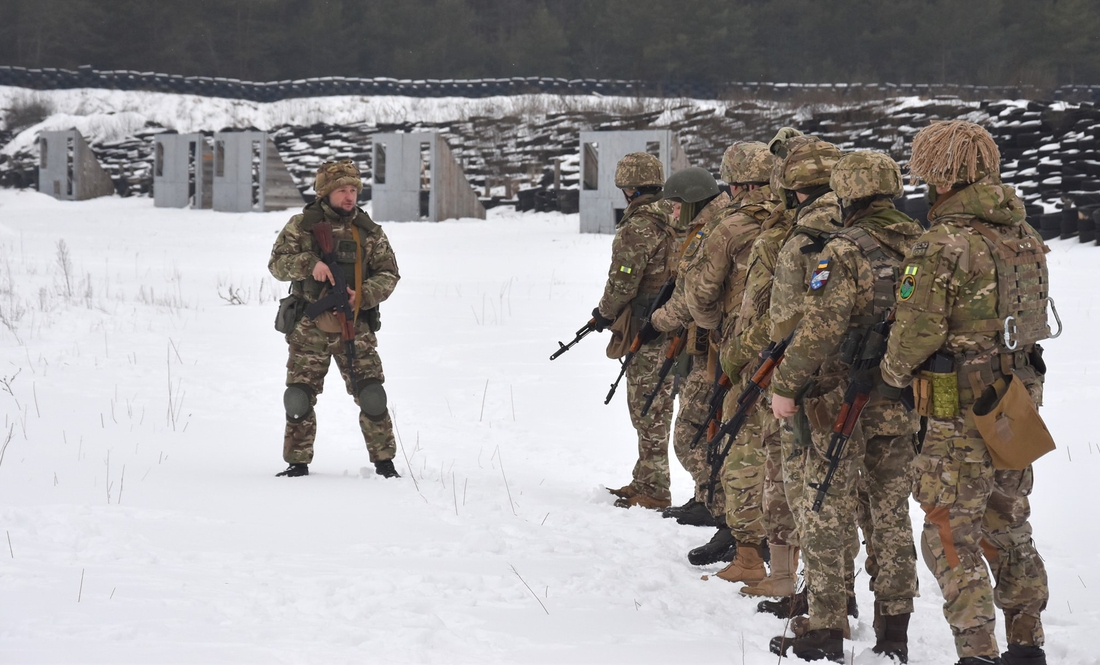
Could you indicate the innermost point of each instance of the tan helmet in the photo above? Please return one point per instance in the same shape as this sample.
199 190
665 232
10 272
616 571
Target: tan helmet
949 153
809 162
639 169
747 161
864 174
334 175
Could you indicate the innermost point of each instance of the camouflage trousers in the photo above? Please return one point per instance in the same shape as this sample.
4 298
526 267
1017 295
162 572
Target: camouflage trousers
743 473
971 510
651 475
311 351
880 458
695 391
778 521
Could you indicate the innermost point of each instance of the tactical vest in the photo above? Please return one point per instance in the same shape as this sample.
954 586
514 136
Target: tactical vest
885 264
735 282
653 281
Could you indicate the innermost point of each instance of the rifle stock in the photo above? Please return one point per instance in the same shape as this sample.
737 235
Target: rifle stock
672 352
710 425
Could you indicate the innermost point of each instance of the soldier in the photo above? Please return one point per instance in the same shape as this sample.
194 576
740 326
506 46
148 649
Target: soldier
851 289
643 256
971 307
369 268
701 205
714 284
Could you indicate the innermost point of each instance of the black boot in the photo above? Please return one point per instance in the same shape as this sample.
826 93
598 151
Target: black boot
385 469
294 470
1019 654
722 547
892 636
980 660
677 511
785 608
853 607
780 645
696 515
819 644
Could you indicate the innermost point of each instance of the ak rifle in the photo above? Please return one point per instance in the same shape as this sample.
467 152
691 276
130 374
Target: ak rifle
580 334
868 354
672 352
337 299
662 297
758 384
717 397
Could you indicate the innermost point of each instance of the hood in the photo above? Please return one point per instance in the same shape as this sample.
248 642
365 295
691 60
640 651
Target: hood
892 228
988 199
759 195
821 213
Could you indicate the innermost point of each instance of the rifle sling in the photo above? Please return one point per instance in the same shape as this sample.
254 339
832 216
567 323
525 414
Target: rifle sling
358 273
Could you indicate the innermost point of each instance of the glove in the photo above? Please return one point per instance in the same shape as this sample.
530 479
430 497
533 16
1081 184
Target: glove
601 321
779 143
648 333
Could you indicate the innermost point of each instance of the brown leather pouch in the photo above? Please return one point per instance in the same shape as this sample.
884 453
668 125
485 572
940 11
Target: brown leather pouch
622 334
1010 425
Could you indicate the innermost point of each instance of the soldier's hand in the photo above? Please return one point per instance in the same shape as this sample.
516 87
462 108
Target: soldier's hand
353 298
602 321
648 333
321 273
783 407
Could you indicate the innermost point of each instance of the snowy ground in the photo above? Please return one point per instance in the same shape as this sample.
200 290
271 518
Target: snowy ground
143 523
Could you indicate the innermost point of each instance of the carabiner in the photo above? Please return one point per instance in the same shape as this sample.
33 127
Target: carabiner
1010 333
1056 317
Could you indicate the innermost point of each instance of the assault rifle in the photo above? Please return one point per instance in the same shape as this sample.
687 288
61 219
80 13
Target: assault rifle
337 299
662 297
867 355
672 352
718 393
761 379
587 328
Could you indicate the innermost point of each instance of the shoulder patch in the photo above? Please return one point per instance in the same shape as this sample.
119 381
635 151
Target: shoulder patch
693 246
908 285
820 276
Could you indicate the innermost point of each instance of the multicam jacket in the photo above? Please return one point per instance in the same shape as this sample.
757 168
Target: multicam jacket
296 253
642 256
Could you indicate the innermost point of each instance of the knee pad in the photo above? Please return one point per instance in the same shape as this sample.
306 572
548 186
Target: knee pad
372 399
298 402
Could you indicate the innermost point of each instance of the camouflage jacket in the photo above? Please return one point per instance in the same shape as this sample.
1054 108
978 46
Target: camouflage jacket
796 261
752 331
642 255
950 282
715 280
841 298
675 313
296 253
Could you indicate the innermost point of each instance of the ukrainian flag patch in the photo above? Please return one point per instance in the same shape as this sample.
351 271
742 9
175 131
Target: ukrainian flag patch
820 277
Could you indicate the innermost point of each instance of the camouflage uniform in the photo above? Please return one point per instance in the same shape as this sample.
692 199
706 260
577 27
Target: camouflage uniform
642 256
841 300
292 259
950 304
696 387
714 286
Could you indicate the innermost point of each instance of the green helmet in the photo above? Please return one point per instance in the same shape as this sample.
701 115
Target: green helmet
809 162
866 173
691 185
639 169
747 161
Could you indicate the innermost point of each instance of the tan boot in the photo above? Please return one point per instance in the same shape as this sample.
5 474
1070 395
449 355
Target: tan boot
643 501
781 582
624 492
801 625
747 566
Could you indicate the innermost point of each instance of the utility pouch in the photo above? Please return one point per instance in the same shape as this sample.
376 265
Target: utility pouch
698 341
936 389
1010 425
622 334
373 317
291 310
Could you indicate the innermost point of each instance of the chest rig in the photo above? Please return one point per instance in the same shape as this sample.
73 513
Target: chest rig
885 265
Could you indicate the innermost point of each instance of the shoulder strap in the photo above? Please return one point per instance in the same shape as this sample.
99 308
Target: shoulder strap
884 268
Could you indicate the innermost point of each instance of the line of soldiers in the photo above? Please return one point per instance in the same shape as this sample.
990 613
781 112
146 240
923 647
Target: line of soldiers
806 249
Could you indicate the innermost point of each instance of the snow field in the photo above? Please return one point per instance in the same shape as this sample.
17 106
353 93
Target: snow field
145 421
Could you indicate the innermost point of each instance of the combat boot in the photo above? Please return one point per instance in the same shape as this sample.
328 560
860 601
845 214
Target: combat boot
819 644
785 608
892 635
696 515
643 501
385 469
1019 654
677 511
747 566
782 578
624 492
722 547
293 471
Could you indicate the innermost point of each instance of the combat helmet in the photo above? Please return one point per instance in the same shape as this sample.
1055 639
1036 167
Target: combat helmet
331 176
864 174
691 185
950 153
747 162
637 170
808 163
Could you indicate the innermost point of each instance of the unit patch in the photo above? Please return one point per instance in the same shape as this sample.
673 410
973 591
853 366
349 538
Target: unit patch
919 249
908 283
694 244
820 277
